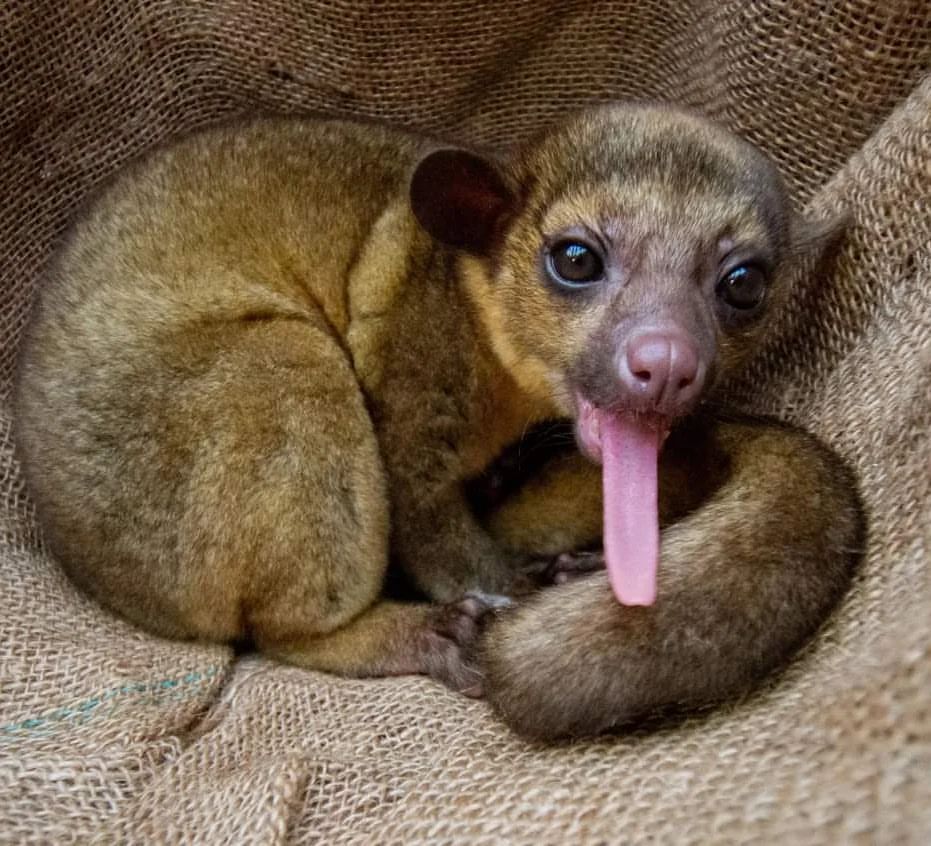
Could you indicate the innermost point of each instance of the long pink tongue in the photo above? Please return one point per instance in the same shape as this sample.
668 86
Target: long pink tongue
630 454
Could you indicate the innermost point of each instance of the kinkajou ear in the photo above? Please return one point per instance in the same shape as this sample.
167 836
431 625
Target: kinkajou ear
461 199
816 238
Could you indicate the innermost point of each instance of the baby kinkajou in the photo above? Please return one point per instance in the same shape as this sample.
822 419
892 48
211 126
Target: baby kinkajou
267 359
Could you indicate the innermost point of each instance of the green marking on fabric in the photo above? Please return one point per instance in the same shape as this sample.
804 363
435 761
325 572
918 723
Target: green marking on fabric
83 710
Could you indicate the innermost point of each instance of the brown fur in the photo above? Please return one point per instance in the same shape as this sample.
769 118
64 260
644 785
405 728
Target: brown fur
253 376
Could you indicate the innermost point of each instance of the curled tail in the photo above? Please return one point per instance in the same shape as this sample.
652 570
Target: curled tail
744 581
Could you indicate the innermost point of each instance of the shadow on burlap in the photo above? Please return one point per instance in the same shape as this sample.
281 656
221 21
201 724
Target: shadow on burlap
107 732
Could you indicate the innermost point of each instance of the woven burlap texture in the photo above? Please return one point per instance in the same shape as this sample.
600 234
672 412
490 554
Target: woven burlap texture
108 734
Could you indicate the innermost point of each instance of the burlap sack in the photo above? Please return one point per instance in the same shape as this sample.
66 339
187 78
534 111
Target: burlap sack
110 734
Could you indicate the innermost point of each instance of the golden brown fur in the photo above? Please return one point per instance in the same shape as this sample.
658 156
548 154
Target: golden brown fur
253 376
196 394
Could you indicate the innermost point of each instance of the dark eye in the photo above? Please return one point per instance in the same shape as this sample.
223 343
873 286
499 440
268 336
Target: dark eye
743 287
575 264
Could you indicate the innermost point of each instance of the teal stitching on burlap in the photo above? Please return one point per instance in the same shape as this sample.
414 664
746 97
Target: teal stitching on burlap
176 688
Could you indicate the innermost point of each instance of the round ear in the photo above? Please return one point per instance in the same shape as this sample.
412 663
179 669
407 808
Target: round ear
818 239
460 199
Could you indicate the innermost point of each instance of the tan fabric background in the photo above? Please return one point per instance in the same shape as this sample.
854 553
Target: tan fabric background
107 733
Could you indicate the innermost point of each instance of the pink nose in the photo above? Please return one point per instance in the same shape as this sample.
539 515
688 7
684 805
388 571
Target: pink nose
660 370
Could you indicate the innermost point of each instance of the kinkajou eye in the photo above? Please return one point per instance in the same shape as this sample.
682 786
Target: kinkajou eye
574 264
742 288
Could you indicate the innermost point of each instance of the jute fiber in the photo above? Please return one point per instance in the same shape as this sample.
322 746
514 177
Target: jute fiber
108 734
